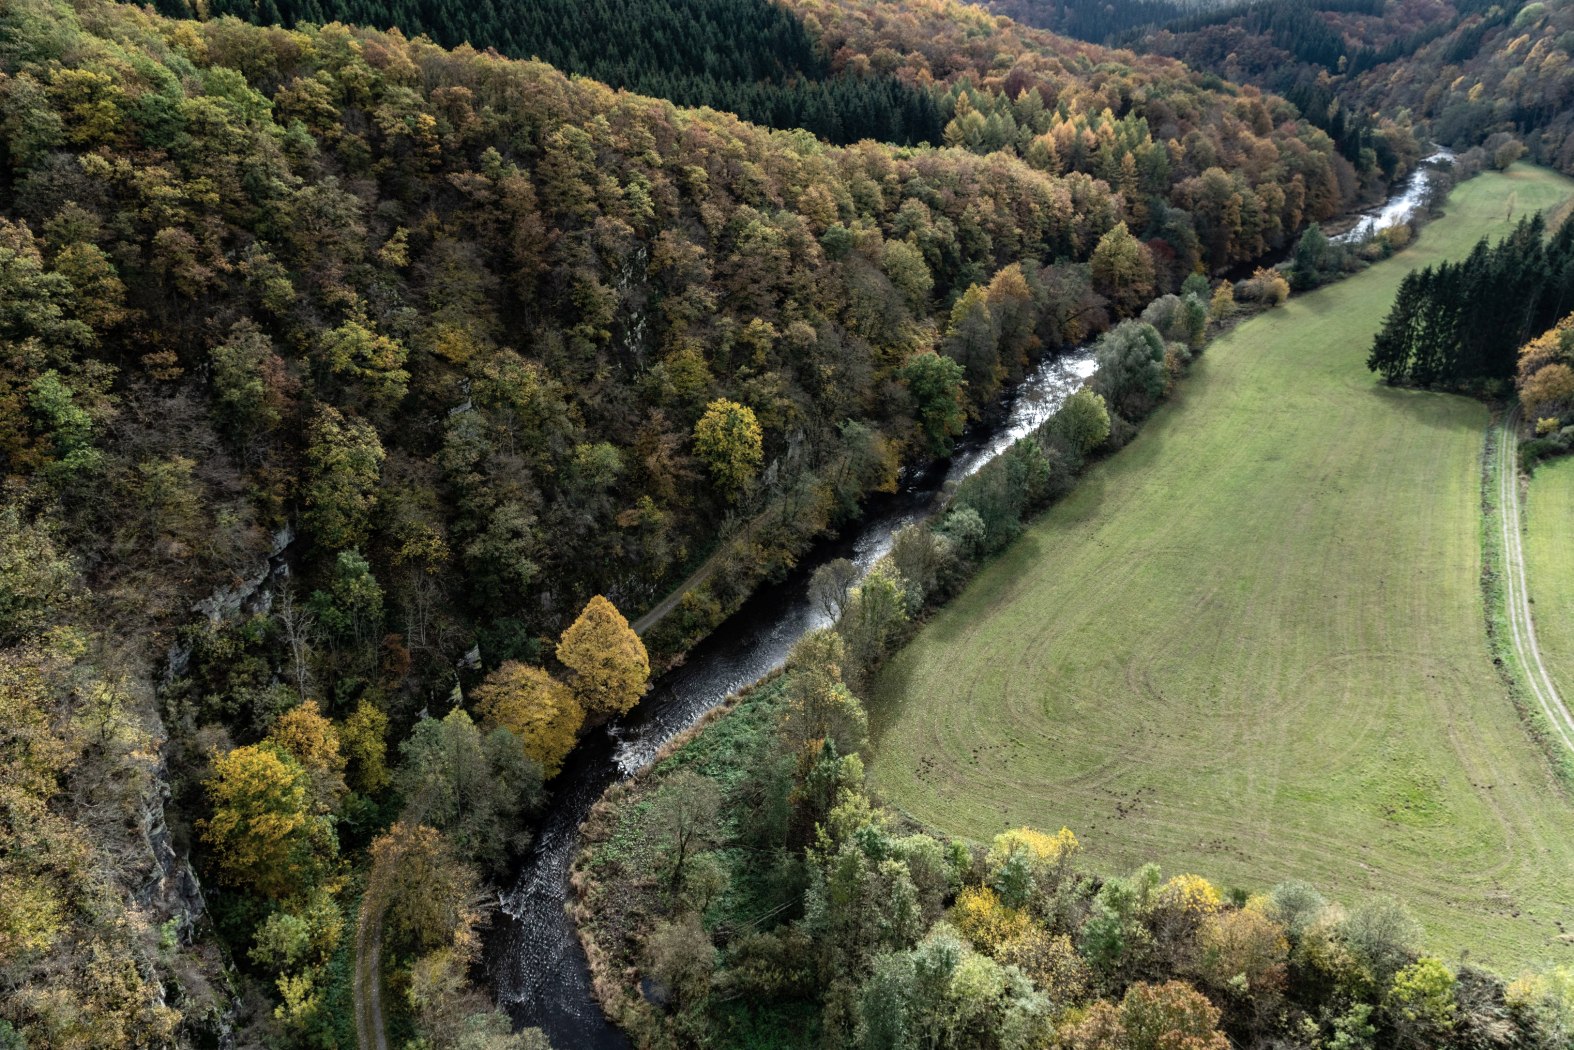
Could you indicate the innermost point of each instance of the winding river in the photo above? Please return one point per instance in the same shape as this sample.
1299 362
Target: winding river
536 966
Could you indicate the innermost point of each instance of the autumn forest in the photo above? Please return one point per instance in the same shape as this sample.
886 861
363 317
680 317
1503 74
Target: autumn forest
394 396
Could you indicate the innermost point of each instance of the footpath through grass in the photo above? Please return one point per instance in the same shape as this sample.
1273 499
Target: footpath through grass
1251 644
1549 563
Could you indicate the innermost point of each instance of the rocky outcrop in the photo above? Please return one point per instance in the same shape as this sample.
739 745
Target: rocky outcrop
254 593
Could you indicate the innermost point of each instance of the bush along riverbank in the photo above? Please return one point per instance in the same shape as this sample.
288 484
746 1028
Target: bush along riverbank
748 890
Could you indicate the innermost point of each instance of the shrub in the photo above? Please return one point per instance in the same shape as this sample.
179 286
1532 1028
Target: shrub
1266 286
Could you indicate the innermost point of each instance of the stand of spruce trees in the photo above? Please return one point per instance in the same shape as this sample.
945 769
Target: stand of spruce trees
1464 322
749 57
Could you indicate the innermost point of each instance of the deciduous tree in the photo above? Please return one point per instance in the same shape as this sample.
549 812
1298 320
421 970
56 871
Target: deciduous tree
263 832
686 819
1123 270
728 439
364 736
473 788
313 741
829 586
936 384
344 460
972 340
429 894
1083 421
681 956
541 712
608 662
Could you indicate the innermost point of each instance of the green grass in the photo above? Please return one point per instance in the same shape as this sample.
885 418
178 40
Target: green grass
1549 562
1252 644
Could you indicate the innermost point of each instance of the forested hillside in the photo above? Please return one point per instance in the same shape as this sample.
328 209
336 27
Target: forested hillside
1466 72
1233 165
1218 177
1499 70
1099 21
749 57
353 389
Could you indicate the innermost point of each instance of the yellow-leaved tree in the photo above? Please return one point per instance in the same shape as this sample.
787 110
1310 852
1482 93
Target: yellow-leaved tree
428 892
264 835
1191 894
1122 270
538 709
607 659
1025 864
1222 306
1045 848
728 439
314 742
980 916
364 736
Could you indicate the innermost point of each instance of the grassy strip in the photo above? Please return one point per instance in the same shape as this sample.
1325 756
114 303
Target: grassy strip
1494 597
1549 557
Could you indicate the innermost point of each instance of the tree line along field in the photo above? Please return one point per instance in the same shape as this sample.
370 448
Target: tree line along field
1549 563
1251 644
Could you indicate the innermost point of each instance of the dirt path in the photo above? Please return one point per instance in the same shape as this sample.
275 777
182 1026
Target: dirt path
1522 628
670 602
370 1032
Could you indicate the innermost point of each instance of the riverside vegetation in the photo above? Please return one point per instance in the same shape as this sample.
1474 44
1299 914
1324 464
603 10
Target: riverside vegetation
752 889
1334 674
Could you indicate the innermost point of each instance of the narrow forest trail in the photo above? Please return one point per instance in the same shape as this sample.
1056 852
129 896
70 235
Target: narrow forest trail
1521 623
670 602
370 1031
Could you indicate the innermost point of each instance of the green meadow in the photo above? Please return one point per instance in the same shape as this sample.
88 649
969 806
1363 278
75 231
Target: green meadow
1251 644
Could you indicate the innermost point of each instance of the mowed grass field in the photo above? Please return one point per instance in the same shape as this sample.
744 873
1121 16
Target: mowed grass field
1251 645
1549 563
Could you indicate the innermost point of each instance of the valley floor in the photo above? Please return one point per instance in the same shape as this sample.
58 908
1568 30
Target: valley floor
1251 644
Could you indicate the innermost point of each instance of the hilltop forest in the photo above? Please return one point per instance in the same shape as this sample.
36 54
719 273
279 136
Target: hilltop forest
751 58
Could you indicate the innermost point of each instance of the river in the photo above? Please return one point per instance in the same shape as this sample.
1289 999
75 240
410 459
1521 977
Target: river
1399 206
536 966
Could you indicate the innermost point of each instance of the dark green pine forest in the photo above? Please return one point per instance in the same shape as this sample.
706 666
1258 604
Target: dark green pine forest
749 57
1464 323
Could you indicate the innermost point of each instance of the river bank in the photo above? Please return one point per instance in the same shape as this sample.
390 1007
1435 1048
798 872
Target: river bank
537 968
